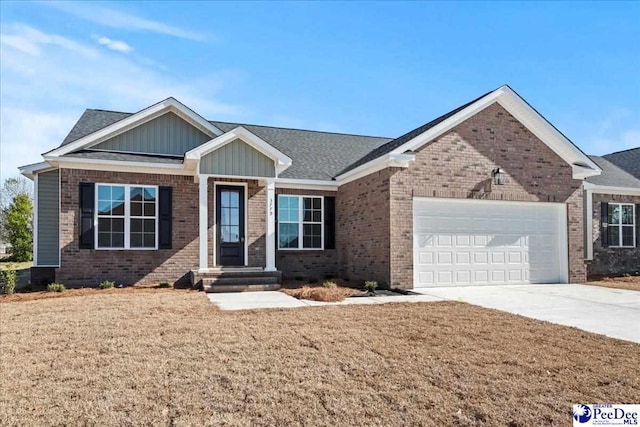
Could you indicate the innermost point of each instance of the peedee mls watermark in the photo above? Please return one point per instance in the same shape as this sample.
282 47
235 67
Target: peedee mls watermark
606 415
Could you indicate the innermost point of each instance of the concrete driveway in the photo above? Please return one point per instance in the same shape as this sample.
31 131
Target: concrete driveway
606 311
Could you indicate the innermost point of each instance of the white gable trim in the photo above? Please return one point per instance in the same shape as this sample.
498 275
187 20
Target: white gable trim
118 166
281 160
30 171
607 189
581 164
137 119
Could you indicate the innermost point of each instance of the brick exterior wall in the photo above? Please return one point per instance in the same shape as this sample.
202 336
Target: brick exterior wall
608 260
375 213
84 267
458 164
363 228
307 263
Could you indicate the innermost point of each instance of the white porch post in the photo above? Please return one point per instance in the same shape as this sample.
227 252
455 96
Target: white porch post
204 222
270 264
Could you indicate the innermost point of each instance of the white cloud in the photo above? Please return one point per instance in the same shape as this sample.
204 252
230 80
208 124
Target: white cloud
47 80
118 19
117 45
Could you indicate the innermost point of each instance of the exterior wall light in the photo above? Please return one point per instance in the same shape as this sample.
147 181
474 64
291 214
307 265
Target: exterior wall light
498 176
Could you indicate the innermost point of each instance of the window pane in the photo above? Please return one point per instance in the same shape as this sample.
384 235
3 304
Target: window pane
104 208
117 240
317 216
149 240
150 194
312 236
136 208
317 203
627 236
104 240
307 215
307 203
136 226
117 193
627 214
150 209
104 225
288 235
234 199
117 208
149 226
614 236
234 216
104 192
136 240
614 214
136 194
117 224
224 198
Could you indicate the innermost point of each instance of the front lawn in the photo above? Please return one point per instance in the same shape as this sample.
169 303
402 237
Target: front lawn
623 282
171 358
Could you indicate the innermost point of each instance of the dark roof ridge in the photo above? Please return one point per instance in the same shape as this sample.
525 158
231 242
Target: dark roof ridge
620 151
301 130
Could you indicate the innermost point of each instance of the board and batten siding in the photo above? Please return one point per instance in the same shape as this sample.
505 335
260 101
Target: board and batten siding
167 134
237 158
48 194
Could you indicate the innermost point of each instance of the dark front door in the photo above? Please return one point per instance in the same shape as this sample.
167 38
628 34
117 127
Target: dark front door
229 225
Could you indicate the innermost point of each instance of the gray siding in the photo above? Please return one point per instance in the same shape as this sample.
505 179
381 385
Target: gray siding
167 134
237 158
48 218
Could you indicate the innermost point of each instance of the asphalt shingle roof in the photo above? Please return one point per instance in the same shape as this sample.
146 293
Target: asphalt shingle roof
316 155
620 169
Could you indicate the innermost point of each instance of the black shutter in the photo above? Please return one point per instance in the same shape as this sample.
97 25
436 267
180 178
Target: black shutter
330 222
165 226
638 225
604 227
87 207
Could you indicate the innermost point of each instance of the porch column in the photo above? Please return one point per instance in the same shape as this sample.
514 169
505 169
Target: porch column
270 263
204 222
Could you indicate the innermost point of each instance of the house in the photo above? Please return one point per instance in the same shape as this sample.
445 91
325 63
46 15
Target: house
613 214
488 193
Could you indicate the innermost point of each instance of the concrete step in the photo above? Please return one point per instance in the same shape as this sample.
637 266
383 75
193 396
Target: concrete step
251 280
214 288
234 279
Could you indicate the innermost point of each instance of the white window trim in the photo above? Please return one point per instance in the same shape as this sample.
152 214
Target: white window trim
127 217
620 226
301 222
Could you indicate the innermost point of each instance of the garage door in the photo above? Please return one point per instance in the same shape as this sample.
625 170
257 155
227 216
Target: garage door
473 242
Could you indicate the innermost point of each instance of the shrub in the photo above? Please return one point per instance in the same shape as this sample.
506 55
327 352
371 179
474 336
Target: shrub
8 281
17 227
329 284
107 284
55 287
370 285
165 285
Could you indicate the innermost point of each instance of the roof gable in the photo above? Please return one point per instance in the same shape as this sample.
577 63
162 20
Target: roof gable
167 134
123 124
237 158
582 165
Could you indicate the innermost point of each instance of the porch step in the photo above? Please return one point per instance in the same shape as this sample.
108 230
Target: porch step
241 288
236 280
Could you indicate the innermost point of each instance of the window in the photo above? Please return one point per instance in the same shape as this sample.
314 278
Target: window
300 222
126 217
621 225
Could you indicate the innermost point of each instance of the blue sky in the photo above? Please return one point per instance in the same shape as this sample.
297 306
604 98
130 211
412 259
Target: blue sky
366 68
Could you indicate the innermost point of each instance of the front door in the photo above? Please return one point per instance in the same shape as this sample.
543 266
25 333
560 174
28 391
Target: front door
229 225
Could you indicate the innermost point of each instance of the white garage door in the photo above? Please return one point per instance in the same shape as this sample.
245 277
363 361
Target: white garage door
474 242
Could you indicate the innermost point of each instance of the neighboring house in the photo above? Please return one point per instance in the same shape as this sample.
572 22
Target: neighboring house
488 193
613 216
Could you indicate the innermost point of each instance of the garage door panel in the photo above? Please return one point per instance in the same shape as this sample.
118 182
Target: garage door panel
461 242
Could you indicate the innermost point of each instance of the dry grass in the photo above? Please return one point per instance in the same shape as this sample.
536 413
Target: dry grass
80 292
171 358
322 293
626 282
